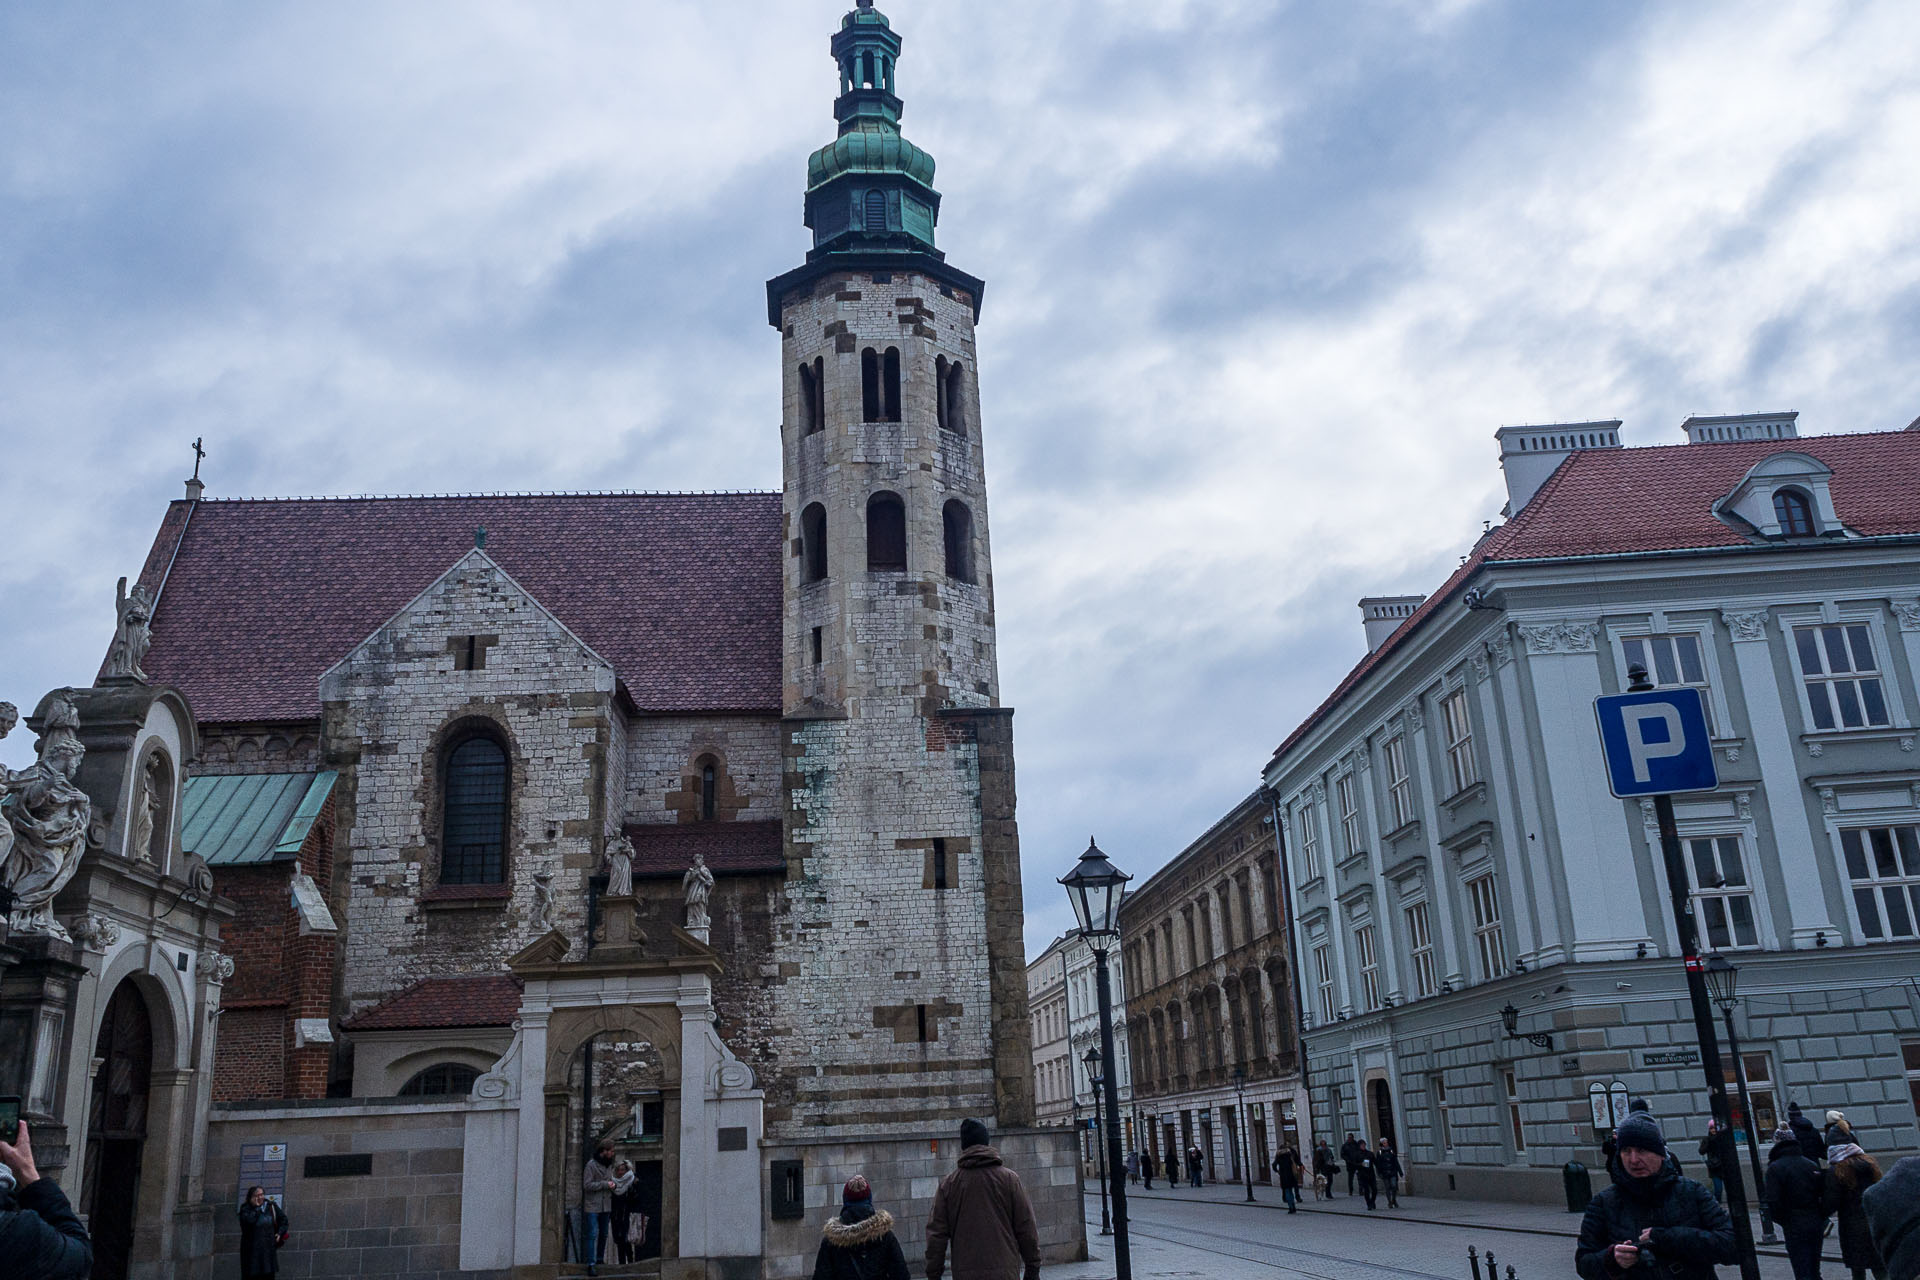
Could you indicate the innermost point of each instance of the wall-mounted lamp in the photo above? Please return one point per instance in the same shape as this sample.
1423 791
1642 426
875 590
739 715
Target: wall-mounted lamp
1510 1019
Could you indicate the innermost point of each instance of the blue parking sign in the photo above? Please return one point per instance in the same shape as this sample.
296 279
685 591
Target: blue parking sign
1656 742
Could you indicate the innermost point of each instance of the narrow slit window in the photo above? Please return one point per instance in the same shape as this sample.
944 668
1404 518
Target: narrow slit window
959 538
708 785
955 395
816 646
940 392
891 369
813 543
920 1017
870 385
809 413
940 880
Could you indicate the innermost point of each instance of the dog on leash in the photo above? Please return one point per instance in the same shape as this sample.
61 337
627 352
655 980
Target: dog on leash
1320 1186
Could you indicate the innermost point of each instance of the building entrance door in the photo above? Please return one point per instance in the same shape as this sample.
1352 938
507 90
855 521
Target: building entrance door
1206 1148
1383 1113
117 1129
1262 1153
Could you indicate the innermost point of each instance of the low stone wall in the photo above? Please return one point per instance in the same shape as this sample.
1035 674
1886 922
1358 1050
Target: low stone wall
400 1217
905 1172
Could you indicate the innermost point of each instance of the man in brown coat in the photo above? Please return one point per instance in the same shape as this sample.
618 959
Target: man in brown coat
981 1215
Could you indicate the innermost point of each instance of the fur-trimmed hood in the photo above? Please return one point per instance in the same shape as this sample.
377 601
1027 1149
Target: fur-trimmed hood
851 1235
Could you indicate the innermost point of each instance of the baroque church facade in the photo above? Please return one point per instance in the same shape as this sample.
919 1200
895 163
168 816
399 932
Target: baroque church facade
684 821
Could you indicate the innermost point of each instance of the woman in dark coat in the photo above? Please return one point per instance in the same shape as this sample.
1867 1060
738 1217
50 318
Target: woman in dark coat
1387 1161
1146 1166
1287 1165
859 1244
261 1226
1850 1171
1792 1193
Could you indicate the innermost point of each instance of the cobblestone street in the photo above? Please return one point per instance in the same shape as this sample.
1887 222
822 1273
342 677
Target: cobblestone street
1212 1234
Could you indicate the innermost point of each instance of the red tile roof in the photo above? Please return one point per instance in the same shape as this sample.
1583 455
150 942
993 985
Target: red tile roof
731 848
680 592
1622 502
474 1000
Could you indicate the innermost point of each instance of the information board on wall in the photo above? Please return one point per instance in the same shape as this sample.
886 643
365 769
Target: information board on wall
263 1164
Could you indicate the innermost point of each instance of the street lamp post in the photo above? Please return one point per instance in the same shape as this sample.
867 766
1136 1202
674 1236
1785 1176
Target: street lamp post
1246 1135
1095 887
1093 1076
1723 978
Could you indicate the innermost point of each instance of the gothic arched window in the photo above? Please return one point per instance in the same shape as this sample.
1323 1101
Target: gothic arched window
953 392
473 825
1794 512
813 543
959 538
886 532
812 409
709 784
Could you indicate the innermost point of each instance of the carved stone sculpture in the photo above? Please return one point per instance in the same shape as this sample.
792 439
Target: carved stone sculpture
146 808
9 717
620 867
93 933
216 966
698 885
48 816
546 911
133 614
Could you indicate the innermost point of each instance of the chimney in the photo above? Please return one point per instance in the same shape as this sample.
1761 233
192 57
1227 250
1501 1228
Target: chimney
1742 426
1382 616
1529 455
195 489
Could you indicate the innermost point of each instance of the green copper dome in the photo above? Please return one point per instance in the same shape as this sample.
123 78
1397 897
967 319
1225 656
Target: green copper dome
871 146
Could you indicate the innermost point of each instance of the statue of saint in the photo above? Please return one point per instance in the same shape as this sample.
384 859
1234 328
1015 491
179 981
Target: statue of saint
545 909
133 614
9 717
146 809
698 884
48 816
620 867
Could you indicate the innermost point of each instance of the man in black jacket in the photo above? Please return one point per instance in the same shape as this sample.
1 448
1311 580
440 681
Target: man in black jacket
40 1238
1792 1194
1350 1156
1652 1224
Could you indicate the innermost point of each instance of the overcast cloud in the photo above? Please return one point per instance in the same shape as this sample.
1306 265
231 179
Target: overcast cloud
1263 280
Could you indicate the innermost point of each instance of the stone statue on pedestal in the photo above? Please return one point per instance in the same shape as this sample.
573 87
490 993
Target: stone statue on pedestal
698 884
47 817
146 809
133 614
620 867
546 911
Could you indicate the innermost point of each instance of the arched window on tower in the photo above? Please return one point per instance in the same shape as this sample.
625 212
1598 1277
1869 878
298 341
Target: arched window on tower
876 216
953 391
886 532
813 543
870 385
473 825
940 392
810 415
1794 512
890 376
959 530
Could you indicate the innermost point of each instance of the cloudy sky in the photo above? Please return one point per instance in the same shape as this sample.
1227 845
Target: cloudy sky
1263 280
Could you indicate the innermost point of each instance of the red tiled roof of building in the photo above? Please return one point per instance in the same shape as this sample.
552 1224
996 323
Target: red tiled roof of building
731 848
680 592
1622 502
472 1000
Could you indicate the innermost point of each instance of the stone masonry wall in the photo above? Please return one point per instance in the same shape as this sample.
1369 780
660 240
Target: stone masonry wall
662 785
393 707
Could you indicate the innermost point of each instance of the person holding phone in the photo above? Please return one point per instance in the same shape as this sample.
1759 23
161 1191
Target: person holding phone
263 1228
1652 1223
40 1236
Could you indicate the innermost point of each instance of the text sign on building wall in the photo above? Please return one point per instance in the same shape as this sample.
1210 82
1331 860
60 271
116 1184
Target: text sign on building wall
1656 742
264 1165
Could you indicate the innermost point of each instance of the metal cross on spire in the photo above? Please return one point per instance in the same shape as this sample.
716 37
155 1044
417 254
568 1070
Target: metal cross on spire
198 453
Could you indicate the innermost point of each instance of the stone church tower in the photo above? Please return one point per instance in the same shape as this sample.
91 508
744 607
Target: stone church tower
902 991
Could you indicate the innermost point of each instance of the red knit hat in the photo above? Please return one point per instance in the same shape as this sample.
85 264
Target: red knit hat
856 1190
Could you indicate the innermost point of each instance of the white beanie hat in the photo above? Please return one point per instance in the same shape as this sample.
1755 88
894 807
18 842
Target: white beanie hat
1834 1117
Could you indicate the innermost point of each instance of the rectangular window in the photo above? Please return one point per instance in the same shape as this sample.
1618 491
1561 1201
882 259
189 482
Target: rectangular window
1442 1116
941 875
1420 947
1722 894
1459 731
1347 794
1487 937
1220 896
1759 1069
1245 886
1513 1112
1672 661
1842 677
1910 1059
1884 865
1323 975
1309 845
1399 782
1363 943
816 646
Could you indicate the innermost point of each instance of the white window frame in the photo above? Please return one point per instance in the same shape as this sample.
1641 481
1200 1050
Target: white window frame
1399 780
1309 842
1442 1114
1463 768
1905 886
1489 936
1366 947
1516 1127
1346 790
1323 980
1703 896
1712 689
1426 970
1828 614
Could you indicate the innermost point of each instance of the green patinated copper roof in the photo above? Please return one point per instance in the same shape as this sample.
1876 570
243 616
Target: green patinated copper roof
243 819
871 146
865 17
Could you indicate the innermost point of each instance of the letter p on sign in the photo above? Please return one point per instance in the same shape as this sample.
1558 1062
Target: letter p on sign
1656 742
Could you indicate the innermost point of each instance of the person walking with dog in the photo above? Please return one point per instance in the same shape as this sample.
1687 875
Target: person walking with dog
1325 1167
1350 1157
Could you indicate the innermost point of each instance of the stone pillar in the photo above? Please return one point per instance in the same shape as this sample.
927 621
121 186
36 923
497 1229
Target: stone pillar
532 1152
37 993
1799 860
163 1162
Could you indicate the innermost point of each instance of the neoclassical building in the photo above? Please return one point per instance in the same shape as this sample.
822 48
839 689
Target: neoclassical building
684 821
1212 1012
1457 861
1063 994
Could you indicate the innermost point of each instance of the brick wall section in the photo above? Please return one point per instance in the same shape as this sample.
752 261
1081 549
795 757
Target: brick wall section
286 747
661 784
278 976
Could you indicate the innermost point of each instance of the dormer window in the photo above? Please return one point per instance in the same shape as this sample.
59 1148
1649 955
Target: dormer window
1794 512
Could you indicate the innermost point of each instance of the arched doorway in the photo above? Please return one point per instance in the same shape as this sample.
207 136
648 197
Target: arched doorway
117 1129
1382 1097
